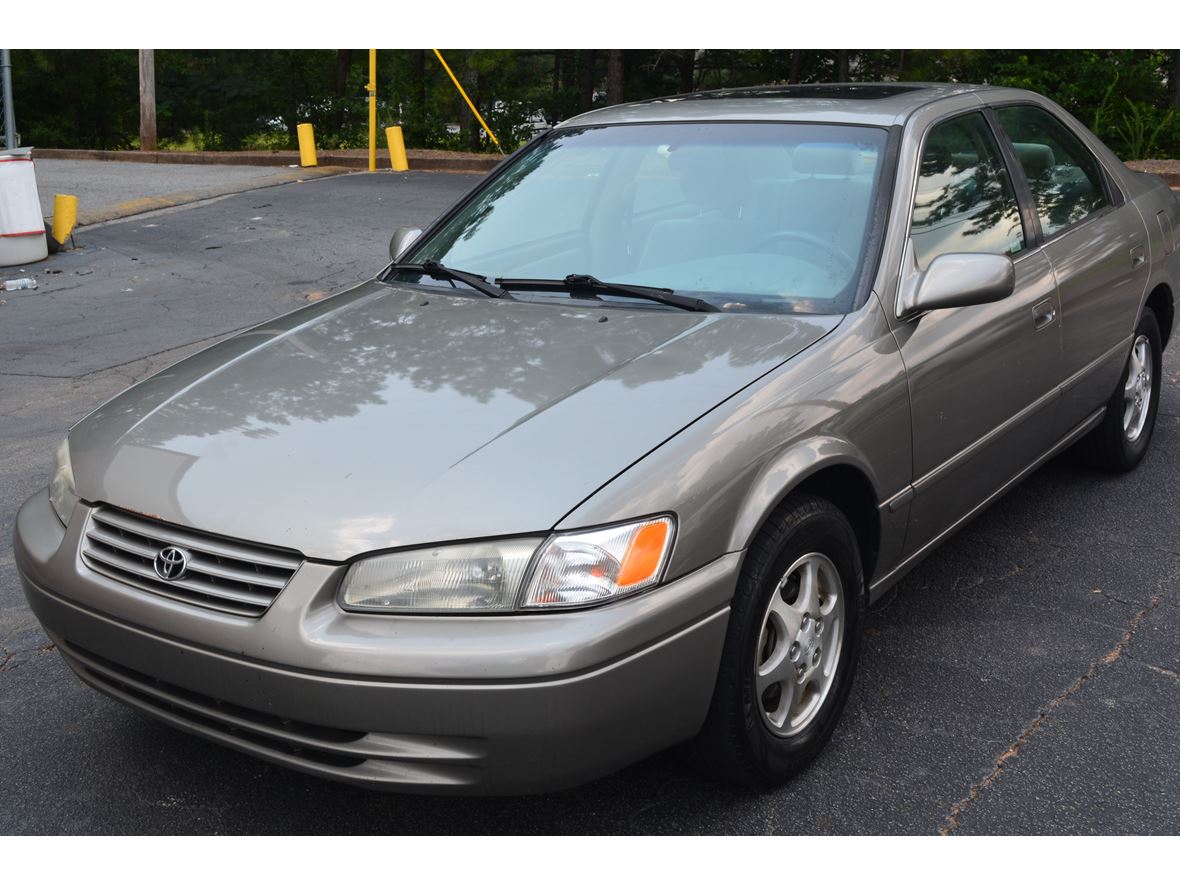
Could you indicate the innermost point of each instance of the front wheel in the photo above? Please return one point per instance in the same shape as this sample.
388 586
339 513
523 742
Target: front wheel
1119 443
791 647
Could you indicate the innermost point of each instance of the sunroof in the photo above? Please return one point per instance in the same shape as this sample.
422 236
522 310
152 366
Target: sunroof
859 91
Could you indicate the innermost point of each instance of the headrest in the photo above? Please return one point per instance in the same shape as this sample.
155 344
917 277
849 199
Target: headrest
1037 159
964 159
816 158
711 178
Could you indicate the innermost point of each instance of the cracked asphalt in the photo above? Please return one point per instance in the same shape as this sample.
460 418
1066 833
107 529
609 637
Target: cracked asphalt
1024 679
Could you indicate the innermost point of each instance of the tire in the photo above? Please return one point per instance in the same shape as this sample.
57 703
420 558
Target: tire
755 739
1119 443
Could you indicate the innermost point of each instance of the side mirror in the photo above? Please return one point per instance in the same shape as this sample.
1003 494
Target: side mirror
402 238
954 279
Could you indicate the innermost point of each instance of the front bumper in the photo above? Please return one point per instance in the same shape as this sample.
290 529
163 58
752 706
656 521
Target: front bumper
490 704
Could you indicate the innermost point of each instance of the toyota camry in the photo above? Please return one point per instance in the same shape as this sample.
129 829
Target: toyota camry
615 454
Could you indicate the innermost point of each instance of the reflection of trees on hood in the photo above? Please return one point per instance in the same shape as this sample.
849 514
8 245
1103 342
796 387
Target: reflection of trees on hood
535 353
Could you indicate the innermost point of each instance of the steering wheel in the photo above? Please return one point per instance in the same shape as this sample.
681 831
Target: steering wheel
820 243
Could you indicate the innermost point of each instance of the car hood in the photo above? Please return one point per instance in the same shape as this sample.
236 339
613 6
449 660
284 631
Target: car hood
386 417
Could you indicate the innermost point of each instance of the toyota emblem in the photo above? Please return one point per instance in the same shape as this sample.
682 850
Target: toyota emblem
171 563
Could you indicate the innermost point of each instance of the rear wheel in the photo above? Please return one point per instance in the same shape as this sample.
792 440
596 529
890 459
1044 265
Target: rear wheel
1119 443
791 647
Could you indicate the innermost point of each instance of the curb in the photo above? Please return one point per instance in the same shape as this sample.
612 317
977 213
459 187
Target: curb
420 161
167 201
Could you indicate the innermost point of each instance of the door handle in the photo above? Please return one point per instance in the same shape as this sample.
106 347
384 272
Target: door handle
1044 312
1138 256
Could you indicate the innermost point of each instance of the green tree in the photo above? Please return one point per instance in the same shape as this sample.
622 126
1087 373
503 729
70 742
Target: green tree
226 99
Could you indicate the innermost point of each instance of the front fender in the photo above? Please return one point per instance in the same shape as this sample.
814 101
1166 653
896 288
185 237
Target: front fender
782 474
843 402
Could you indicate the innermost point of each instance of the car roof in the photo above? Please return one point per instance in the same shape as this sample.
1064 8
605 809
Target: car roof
874 104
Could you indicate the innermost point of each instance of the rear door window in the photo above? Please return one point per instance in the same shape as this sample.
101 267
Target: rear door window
1065 178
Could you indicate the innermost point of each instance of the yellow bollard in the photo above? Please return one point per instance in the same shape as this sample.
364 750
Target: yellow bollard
306 145
65 216
372 87
397 148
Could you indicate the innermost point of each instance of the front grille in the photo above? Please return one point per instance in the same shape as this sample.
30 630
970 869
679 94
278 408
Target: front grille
223 575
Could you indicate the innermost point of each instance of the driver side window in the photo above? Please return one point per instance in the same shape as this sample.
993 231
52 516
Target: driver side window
964 200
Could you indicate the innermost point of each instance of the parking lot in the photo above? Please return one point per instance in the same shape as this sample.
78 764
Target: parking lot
1024 679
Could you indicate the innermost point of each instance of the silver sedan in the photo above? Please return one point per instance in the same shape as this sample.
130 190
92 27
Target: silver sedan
614 455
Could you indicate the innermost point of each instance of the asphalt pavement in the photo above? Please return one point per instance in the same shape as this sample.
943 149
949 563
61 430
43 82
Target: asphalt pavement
1024 679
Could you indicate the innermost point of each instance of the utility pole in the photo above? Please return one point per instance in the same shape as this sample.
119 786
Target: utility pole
9 116
147 99
372 88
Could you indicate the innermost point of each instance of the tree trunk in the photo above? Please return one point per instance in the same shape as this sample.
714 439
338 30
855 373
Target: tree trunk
343 63
796 66
842 65
420 81
586 60
614 76
901 65
147 99
468 125
687 65
1175 78
472 85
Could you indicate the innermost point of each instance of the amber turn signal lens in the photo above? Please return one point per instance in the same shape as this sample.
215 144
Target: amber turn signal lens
644 554
596 565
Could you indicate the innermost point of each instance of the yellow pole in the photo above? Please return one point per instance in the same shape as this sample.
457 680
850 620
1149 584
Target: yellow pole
306 134
397 149
65 216
372 110
455 80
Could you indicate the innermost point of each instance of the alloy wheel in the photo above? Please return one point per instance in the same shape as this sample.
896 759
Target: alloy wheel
1137 389
798 647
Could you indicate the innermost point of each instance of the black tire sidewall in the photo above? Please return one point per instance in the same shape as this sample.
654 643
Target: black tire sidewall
823 531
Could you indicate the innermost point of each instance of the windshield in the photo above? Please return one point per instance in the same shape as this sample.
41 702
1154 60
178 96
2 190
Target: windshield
746 216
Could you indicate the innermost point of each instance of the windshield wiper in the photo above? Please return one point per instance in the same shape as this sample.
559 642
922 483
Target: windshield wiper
579 282
437 271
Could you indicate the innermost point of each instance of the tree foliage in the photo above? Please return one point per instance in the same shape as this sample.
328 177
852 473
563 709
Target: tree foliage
222 99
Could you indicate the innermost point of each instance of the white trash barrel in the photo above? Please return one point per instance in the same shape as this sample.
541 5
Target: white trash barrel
22 229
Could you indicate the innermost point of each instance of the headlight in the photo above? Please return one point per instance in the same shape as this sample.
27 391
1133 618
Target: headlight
62 495
462 577
569 569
